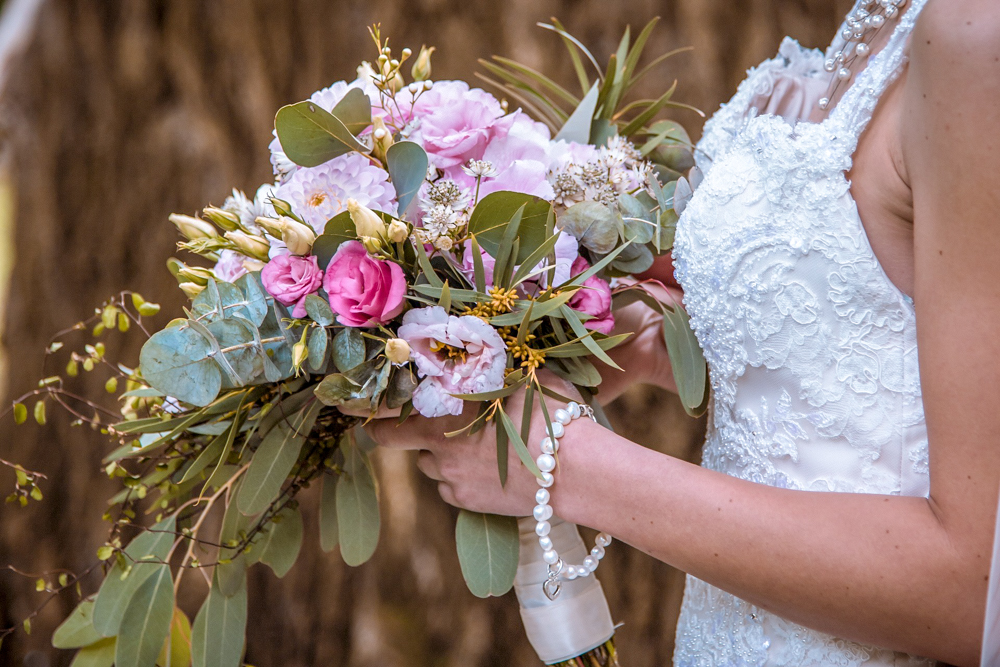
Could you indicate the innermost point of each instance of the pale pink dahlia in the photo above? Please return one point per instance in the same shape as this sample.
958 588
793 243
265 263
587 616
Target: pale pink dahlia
319 193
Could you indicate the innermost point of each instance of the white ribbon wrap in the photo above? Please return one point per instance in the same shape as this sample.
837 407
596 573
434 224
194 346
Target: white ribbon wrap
578 620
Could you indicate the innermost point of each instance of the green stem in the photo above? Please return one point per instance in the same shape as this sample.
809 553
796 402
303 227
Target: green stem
605 655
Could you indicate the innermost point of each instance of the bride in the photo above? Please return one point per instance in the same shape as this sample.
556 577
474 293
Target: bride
844 511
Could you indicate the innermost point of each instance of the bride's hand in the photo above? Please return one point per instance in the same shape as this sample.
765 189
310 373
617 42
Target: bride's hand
464 466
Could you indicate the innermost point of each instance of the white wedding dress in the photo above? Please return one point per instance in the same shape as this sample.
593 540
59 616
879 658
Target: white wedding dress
812 350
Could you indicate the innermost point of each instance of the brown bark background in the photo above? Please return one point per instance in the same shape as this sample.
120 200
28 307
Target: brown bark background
119 112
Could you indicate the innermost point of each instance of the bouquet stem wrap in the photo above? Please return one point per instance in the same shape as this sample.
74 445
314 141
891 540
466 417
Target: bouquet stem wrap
578 620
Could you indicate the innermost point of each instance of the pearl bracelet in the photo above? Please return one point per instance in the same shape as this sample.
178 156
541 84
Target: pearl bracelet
559 570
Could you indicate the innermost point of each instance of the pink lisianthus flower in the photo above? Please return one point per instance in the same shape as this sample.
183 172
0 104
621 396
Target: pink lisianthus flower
519 154
363 291
454 355
456 123
593 299
290 279
230 267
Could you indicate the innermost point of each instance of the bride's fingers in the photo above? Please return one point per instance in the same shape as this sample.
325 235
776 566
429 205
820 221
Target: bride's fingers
427 463
389 434
447 494
382 413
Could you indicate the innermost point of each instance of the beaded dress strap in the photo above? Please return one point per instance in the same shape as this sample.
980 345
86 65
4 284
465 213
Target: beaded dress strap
858 104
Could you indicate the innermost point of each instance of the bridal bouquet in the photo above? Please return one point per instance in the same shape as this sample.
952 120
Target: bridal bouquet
423 247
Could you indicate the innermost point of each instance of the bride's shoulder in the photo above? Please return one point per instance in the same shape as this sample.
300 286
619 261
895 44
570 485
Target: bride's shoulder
961 35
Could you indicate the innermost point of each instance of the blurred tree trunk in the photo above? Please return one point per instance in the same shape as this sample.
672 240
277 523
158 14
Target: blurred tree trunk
120 112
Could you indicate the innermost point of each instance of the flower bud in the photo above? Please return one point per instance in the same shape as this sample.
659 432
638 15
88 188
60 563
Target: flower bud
192 289
270 225
226 220
398 231
381 139
193 228
300 352
368 224
444 243
253 265
194 274
254 246
298 237
397 351
421 70
280 206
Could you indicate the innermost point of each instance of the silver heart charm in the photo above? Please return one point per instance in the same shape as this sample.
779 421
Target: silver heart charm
551 588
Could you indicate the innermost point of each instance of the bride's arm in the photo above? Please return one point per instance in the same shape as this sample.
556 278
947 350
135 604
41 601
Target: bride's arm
901 572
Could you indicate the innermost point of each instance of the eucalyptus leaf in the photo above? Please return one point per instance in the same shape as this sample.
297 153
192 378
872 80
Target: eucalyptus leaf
348 349
578 125
639 260
358 520
494 212
219 629
146 622
487 551
593 224
338 229
254 295
318 344
407 166
319 310
274 460
329 531
176 650
686 359
99 654
175 361
310 136
401 387
78 629
354 110
280 549
142 554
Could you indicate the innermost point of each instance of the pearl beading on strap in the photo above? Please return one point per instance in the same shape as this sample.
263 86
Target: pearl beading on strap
559 570
862 25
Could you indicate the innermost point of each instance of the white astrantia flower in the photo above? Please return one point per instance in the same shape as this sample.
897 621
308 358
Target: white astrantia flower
445 192
480 169
583 173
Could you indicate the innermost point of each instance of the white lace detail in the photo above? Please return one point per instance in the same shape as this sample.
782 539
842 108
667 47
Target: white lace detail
812 350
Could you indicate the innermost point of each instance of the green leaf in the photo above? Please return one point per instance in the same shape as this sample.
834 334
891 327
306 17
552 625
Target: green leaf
319 310
232 568
348 349
502 454
339 228
478 270
586 337
218 633
329 531
274 459
255 298
354 111
407 166
495 211
686 359
401 388
116 591
519 446
593 224
146 622
487 551
577 127
310 136
358 520
177 648
100 654
175 361
445 300
78 629
281 547
318 343
20 413
633 259
210 454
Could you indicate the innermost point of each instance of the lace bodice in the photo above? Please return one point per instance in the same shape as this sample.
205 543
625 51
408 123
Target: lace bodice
812 350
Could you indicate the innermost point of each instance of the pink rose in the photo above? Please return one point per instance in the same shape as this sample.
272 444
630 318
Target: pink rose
363 291
290 279
456 123
593 299
454 355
